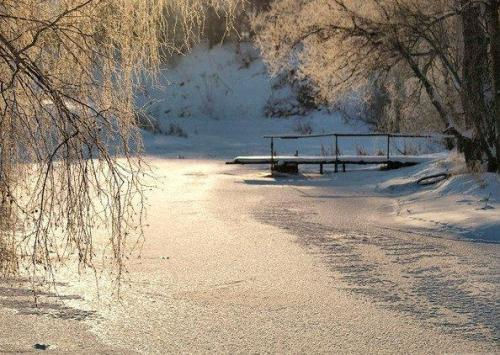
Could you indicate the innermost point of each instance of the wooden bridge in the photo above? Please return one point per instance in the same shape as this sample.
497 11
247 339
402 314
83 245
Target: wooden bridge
290 163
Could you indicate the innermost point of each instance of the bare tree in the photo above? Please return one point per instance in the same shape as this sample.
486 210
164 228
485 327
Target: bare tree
447 47
69 146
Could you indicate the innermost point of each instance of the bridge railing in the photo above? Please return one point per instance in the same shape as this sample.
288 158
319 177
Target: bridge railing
340 135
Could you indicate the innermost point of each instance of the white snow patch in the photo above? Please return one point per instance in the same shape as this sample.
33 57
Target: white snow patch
467 205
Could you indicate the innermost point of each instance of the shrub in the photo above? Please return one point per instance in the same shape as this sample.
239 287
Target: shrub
175 130
361 150
303 127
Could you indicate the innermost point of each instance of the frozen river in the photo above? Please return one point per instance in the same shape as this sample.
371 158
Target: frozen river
235 261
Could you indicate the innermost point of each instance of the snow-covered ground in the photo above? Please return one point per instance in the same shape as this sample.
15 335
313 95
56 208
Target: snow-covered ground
235 261
465 205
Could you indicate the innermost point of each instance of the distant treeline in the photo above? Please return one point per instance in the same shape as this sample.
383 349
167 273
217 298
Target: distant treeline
218 25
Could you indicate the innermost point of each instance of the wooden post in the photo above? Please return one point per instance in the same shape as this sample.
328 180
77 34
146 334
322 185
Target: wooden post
336 148
336 153
343 168
388 146
272 154
321 169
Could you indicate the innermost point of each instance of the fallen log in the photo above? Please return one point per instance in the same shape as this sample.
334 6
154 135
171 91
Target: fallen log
433 179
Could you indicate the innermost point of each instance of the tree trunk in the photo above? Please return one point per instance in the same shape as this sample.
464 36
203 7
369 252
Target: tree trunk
7 251
493 10
474 71
5 173
398 105
4 203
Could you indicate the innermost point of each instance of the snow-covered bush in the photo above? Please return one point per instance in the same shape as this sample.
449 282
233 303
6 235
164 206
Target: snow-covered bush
291 96
147 122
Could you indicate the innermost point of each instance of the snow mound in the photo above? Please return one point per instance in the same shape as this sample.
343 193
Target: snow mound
466 205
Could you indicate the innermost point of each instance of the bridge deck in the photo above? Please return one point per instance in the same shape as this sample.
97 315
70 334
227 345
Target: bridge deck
341 159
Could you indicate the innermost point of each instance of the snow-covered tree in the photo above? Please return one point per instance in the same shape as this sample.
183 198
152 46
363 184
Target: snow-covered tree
447 50
69 145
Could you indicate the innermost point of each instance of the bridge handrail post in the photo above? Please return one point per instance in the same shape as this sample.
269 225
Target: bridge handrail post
272 153
336 147
388 146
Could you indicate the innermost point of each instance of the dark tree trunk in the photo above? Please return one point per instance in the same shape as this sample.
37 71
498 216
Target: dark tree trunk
398 106
493 10
474 72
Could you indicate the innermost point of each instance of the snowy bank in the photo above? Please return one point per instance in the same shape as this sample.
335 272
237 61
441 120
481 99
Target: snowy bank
212 104
466 205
